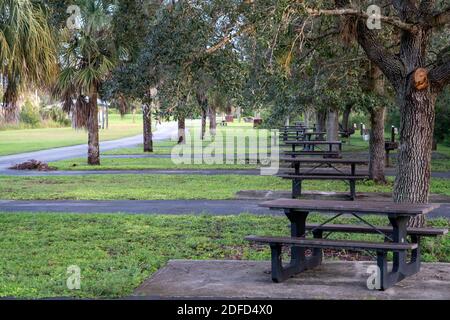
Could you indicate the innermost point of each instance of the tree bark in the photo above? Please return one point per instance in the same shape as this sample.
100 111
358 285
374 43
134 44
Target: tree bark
10 107
182 130
412 184
212 121
321 118
203 103
204 118
148 135
333 125
377 152
346 117
93 137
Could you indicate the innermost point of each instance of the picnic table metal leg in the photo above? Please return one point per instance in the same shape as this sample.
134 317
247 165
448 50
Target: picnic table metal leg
353 190
401 268
296 188
299 262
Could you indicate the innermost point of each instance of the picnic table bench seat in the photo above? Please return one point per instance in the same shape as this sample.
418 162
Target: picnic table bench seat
333 244
406 254
298 179
313 153
317 172
352 228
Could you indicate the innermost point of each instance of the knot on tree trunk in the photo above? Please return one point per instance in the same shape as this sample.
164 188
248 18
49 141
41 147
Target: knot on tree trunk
421 79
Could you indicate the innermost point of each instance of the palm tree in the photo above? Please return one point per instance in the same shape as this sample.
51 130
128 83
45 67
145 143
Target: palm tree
88 57
27 51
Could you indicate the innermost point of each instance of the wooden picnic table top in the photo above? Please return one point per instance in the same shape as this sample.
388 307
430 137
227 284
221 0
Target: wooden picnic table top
357 207
330 160
305 133
296 142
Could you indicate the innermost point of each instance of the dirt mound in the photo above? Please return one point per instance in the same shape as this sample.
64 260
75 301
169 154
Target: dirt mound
33 165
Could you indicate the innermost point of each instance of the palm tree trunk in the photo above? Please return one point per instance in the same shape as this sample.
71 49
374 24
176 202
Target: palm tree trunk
93 137
10 108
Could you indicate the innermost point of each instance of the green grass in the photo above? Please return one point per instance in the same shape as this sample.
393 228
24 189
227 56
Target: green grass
18 141
167 187
116 253
140 164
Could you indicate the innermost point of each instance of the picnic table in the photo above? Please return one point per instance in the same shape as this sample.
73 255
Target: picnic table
302 135
395 236
312 173
309 147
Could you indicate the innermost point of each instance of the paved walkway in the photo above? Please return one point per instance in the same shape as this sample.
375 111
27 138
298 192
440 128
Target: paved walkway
184 279
164 132
173 207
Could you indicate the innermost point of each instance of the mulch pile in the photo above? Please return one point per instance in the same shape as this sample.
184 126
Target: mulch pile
33 165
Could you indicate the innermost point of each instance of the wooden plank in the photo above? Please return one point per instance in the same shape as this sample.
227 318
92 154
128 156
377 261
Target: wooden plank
353 228
362 207
295 142
312 153
314 176
334 244
330 161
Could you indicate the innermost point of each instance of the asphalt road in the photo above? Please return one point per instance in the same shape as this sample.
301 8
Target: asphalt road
172 207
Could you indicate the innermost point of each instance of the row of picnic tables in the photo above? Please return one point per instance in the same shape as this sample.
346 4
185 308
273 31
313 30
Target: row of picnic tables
319 155
308 241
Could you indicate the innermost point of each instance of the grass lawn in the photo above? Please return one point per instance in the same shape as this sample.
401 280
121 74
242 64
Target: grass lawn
140 164
116 253
18 141
167 187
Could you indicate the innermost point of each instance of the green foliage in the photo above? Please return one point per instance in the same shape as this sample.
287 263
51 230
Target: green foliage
88 56
55 114
29 114
442 124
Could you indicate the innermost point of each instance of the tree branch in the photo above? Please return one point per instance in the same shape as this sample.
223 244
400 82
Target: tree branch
441 18
389 63
440 75
227 39
356 13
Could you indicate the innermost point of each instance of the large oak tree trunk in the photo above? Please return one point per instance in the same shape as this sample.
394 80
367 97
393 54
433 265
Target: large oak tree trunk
377 152
93 136
148 134
412 183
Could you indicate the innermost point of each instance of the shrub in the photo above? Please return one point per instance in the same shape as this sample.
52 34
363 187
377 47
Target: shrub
55 114
29 115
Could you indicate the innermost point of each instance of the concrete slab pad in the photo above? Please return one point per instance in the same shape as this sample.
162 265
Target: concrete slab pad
251 280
